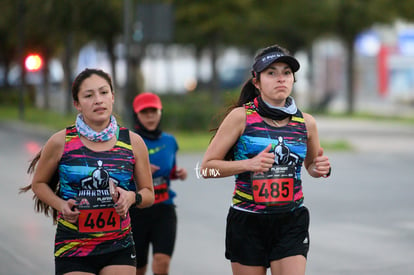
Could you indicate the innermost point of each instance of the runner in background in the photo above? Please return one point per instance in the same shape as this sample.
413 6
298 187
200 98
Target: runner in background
264 141
72 176
156 225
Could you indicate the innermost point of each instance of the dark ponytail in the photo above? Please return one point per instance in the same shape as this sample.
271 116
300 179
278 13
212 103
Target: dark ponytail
248 93
40 206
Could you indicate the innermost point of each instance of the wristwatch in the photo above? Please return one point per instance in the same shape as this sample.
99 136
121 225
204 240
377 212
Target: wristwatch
329 173
138 199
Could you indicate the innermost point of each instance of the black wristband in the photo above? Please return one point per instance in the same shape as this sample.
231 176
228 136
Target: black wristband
138 199
329 173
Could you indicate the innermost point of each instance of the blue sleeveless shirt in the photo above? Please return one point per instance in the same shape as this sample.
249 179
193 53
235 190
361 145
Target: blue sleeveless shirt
162 153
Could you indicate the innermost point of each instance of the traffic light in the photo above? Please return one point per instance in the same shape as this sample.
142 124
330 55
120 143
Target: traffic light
33 62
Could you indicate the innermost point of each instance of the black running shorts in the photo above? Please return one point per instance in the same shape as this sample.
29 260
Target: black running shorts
93 264
156 225
258 239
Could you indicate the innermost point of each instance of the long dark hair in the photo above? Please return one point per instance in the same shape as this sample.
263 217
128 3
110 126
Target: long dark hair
53 183
249 91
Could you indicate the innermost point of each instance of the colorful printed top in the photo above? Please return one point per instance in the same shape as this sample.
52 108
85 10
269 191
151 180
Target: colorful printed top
84 176
162 153
280 189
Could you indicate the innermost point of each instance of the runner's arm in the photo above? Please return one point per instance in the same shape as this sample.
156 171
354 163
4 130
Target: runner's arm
228 133
316 163
46 167
142 171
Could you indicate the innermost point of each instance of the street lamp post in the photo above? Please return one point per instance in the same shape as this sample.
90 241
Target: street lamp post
21 7
127 46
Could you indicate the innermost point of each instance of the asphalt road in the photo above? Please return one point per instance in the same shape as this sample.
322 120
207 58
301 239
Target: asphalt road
362 218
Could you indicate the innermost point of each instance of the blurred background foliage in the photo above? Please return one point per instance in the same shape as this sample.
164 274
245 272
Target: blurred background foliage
60 28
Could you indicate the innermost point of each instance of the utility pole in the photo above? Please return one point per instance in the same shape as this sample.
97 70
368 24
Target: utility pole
125 109
21 17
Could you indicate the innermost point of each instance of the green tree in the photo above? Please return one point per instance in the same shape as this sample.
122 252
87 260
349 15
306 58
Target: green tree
9 32
211 25
102 21
249 25
292 24
403 10
42 36
63 26
81 21
351 18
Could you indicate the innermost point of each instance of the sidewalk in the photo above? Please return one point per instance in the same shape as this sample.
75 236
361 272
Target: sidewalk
368 135
25 128
363 135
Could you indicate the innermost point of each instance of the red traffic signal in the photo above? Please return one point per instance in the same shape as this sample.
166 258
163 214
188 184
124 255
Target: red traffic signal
33 62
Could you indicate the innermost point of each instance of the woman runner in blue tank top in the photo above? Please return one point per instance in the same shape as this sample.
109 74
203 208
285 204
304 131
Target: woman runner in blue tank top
156 225
264 141
88 176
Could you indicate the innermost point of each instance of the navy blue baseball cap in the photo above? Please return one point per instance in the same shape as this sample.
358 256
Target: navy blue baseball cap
266 60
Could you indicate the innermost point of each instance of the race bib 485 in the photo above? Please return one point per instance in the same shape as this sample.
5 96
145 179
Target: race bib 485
275 186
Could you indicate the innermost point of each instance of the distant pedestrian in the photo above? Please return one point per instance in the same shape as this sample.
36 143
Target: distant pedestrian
264 141
84 176
156 225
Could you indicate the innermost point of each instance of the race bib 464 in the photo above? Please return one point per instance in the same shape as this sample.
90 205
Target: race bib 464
97 212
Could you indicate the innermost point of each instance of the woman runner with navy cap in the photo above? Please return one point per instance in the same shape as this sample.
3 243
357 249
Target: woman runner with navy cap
264 141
